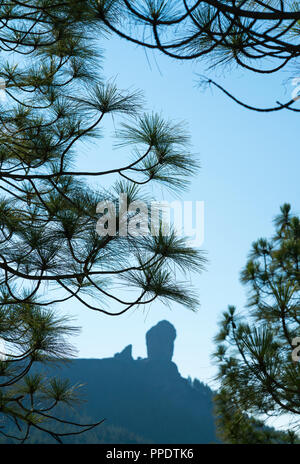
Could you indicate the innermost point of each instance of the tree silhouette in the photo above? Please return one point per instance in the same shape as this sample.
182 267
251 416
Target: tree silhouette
259 36
257 354
50 252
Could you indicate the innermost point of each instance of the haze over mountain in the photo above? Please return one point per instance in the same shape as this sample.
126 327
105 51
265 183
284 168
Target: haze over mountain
142 400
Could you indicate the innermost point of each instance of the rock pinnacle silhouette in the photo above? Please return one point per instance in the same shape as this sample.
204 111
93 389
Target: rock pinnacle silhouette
160 342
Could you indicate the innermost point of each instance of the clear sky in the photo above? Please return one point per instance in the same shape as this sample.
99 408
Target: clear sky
250 166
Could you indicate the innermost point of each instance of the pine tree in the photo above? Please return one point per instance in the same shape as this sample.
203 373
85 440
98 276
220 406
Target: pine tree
53 98
257 354
257 36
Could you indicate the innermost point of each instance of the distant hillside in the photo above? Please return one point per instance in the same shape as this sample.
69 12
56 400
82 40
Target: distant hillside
143 400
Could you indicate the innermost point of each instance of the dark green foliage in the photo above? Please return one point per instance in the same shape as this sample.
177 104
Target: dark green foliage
236 427
259 369
55 99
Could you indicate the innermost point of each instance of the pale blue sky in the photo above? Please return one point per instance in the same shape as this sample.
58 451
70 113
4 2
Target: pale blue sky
250 166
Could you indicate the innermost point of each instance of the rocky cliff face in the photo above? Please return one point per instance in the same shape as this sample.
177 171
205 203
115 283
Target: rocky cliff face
147 396
160 342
